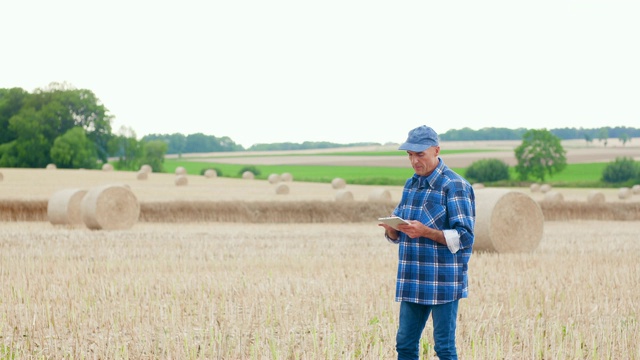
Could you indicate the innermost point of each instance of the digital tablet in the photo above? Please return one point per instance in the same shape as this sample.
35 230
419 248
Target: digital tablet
392 221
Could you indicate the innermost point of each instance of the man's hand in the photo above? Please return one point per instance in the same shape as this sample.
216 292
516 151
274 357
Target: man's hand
416 229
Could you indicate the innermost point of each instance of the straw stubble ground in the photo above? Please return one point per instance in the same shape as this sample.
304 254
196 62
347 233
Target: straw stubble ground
309 291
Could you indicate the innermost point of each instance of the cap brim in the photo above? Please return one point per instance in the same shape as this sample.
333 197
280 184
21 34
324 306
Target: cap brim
414 147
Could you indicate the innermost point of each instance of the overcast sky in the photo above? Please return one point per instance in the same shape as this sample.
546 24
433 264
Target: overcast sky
341 71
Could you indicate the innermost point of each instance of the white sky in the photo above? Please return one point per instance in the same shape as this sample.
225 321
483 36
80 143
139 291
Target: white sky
344 71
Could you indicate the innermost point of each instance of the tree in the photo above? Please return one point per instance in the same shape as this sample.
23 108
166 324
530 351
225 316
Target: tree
154 152
624 138
11 101
127 148
588 138
30 123
30 148
603 135
540 154
74 150
67 107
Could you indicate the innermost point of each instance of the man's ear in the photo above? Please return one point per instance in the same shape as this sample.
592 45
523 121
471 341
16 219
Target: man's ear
437 150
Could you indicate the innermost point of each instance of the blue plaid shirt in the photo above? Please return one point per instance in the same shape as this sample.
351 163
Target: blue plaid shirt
428 272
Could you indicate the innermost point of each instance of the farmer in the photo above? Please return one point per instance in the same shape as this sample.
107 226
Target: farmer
434 248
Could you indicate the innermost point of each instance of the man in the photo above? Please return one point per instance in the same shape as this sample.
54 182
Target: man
434 247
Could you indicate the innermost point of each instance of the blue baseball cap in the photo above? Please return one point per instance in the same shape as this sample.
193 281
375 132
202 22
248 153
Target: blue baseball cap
420 139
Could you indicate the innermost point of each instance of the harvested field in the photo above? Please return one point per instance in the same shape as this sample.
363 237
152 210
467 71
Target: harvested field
228 269
24 194
268 291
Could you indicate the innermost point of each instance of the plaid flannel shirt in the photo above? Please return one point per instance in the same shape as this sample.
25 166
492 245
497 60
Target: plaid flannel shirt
428 272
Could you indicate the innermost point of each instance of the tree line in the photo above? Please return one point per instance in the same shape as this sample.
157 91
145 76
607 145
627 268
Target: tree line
494 133
71 128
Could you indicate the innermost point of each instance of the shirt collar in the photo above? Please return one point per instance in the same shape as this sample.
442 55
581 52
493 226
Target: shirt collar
430 180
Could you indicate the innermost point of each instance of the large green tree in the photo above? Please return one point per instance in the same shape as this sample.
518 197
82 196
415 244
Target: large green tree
30 123
539 155
74 150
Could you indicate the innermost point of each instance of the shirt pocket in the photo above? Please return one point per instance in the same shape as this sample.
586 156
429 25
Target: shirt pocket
435 214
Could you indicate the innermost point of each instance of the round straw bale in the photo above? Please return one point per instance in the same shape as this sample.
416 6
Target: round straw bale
248 175
282 189
535 187
210 173
181 180
624 193
107 167
180 170
51 167
380 195
63 207
507 221
595 197
110 207
545 188
344 195
142 175
338 183
146 168
286 177
478 186
635 189
273 178
553 196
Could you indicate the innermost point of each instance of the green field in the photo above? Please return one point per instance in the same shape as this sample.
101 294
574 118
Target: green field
574 175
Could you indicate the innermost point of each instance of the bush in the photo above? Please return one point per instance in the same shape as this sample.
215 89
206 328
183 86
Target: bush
487 170
251 168
621 170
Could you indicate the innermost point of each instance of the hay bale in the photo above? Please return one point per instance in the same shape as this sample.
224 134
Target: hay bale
1 177
553 196
624 193
110 207
107 167
181 180
286 177
282 189
635 189
344 195
210 173
535 187
180 170
146 168
274 178
507 221
338 183
51 167
595 197
478 186
142 175
545 188
380 195
248 175
63 207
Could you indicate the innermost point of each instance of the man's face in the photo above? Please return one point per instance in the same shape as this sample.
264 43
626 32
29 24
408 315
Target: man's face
424 162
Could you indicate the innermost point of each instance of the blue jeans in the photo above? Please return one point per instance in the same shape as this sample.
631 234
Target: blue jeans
413 318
